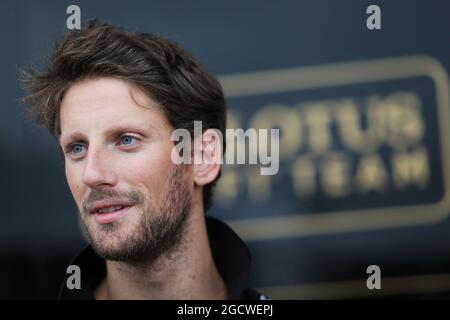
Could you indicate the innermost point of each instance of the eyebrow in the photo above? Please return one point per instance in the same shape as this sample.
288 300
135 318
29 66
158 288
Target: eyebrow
75 136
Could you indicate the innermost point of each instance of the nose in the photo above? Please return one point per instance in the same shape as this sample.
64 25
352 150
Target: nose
98 171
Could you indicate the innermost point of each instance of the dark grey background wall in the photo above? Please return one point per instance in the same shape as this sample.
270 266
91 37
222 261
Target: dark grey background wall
39 229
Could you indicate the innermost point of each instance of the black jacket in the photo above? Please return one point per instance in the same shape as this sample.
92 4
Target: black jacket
230 254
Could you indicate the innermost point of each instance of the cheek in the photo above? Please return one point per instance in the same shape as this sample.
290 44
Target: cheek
74 180
151 170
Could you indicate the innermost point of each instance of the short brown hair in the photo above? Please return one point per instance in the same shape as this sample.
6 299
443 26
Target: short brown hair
160 67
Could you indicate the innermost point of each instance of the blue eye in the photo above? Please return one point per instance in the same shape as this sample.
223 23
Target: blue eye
127 140
76 148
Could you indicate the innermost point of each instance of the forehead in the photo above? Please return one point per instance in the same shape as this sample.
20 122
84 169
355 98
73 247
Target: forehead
97 104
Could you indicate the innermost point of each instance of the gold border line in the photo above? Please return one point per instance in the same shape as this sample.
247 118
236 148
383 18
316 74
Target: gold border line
283 80
351 289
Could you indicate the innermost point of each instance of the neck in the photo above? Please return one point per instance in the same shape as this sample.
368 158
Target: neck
186 272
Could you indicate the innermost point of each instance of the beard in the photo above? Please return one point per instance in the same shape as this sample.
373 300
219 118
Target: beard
144 235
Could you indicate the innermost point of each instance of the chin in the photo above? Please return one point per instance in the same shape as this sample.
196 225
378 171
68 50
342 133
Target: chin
111 239
112 248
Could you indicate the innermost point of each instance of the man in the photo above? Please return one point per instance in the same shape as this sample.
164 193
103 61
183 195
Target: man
113 99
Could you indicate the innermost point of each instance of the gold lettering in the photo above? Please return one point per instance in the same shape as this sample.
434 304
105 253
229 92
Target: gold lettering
411 167
336 175
304 176
371 174
289 123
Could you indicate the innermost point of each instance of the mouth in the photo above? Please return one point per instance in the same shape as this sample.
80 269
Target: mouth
110 211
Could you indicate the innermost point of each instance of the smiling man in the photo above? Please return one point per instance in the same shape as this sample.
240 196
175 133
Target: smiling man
113 99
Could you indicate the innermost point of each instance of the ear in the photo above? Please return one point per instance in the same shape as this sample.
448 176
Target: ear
208 149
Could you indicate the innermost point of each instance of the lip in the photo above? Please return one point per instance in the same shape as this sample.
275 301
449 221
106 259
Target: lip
103 218
97 205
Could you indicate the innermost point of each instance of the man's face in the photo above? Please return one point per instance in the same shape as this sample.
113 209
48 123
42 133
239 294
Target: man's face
133 200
